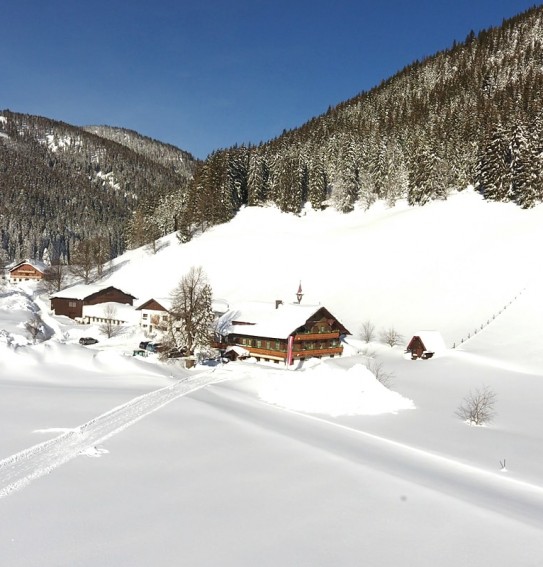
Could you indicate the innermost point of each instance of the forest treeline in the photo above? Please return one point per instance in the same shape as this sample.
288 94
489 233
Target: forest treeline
469 115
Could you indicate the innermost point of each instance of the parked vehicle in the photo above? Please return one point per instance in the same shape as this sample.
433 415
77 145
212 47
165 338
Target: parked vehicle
144 344
87 341
153 347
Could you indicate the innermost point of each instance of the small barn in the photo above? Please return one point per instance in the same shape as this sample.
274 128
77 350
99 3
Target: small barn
27 270
425 344
70 301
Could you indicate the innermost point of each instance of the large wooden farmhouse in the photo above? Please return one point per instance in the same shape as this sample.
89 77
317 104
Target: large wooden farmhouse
70 301
282 332
27 270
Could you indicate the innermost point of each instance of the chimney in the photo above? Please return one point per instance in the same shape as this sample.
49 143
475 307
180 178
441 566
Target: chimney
277 303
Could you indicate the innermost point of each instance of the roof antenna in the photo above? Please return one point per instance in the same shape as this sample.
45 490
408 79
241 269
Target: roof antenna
299 293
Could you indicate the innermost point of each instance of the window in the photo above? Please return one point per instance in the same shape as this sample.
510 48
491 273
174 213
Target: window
145 315
72 304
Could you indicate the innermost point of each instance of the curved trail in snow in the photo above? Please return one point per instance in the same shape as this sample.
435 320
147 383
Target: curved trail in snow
20 469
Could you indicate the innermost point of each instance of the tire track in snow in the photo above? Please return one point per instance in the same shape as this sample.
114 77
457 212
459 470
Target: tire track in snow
20 469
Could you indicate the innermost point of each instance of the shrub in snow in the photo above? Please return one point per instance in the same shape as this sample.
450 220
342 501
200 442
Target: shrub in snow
377 369
477 408
367 331
391 337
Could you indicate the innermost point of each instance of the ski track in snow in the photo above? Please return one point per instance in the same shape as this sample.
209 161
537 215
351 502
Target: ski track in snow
20 469
480 488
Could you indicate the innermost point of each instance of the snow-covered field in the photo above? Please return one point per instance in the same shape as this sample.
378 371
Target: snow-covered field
107 459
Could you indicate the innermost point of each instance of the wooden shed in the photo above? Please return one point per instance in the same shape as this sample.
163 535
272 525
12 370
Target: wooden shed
425 344
70 301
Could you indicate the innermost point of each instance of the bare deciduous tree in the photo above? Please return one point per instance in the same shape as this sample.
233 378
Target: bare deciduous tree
367 331
110 327
191 314
34 327
101 253
377 369
391 337
82 260
54 277
477 408
4 262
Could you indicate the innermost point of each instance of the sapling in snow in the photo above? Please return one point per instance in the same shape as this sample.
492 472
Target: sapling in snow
477 408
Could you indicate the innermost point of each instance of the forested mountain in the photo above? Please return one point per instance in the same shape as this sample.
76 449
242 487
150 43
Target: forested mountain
167 155
471 114
61 184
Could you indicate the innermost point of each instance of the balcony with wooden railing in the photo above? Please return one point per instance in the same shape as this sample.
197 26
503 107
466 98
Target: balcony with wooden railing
308 353
316 336
317 352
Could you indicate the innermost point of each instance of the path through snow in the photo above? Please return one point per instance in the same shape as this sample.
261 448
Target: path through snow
20 469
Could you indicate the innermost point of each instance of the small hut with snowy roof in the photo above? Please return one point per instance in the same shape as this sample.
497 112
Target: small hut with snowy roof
426 344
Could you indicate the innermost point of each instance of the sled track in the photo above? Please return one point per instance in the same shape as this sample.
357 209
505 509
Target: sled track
20 469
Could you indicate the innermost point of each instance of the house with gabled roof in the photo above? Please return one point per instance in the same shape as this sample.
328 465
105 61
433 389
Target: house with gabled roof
27 270
282 332
155 313
70 301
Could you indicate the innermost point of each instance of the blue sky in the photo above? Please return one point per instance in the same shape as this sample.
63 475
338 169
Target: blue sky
208 74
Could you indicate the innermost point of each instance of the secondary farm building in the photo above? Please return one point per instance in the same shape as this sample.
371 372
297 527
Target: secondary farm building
27 270
282 332
70 301
155 313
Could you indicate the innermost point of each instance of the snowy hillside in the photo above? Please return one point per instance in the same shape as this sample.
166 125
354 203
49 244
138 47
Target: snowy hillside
246 463
451 265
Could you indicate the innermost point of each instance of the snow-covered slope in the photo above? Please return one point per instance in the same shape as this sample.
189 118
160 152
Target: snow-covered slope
450 266
319 466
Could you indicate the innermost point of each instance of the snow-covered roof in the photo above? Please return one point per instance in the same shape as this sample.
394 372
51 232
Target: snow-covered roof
219 306
81 291
432 340
37 264
122 311
265 320
164 302
240 351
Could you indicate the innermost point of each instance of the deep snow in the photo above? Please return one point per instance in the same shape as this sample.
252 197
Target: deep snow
317 465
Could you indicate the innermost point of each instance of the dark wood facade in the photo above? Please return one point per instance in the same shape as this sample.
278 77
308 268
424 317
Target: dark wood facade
26 271
418 349
318 337
73 306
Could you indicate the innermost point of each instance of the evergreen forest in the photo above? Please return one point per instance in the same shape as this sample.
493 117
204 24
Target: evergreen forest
468 115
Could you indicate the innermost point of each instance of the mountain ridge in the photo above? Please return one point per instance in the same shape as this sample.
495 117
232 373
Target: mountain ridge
62 183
